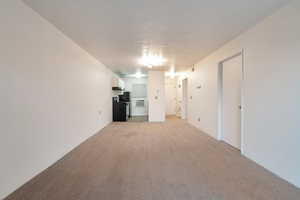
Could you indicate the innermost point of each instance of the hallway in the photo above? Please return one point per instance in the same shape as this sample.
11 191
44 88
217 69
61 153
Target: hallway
158 161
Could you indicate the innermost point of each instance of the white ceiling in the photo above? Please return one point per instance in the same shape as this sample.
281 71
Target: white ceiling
184 31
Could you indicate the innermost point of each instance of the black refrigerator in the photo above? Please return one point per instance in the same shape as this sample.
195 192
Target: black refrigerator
125 97
120 110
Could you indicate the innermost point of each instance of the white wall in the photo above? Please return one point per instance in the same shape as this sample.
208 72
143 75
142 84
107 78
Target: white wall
136 111
171 95
156 96
271 92
179 98
51 94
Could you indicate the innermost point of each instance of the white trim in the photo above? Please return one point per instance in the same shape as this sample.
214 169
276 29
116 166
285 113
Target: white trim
220 97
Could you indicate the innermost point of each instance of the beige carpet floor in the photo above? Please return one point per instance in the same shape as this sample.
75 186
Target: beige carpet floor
155 161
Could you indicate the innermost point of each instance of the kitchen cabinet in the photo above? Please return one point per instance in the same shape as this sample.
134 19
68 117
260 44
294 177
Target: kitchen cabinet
118 83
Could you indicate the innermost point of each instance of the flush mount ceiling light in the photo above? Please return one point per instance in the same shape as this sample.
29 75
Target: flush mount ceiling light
171 73
152 60
138 75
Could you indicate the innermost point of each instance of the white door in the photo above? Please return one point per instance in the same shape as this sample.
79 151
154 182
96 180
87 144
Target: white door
232 78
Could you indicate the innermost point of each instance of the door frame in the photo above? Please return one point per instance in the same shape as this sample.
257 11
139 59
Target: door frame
220 96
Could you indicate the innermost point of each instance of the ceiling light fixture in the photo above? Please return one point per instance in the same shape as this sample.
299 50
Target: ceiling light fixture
138 75
152 60
171 73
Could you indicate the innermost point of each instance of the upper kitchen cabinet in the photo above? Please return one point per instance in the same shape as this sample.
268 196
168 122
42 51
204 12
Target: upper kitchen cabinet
117 83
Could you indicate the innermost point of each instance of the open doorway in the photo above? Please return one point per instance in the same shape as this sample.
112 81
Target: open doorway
136 90
230 100
184 104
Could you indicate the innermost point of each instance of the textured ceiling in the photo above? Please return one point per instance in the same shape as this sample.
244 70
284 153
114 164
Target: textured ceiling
117 31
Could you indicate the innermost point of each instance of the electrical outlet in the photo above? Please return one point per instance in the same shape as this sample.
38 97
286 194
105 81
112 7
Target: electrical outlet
100 112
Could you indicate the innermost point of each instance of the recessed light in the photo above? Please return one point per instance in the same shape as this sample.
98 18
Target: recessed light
152 60
138 75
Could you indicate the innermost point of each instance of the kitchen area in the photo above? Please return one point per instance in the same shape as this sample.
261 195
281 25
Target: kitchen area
130 102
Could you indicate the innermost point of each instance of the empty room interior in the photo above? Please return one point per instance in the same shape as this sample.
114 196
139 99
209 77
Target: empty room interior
150 100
